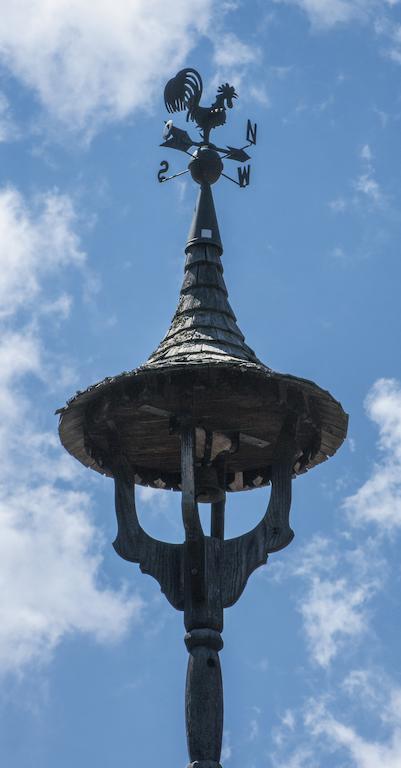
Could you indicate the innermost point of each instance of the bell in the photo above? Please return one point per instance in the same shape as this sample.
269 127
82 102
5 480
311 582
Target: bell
208 488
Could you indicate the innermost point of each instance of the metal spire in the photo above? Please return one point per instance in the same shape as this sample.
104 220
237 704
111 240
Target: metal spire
204 229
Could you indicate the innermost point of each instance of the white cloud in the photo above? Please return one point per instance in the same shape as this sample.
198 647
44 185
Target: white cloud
154 496
327 13
366 696
368 186
231 52
35 241
281 734
371 687
378 500
8 129
333 613
368 193
288 720
341 582
259 94
226 751
50 551
338 590
254 727
366 153
231 59
390 30
50 558
302 758
338 253
90 63
338 205
363 752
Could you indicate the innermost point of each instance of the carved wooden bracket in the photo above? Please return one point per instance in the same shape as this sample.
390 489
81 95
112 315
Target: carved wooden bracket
204 575
159 559
204 559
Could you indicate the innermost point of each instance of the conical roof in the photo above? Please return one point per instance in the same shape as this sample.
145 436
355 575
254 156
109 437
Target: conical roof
204 327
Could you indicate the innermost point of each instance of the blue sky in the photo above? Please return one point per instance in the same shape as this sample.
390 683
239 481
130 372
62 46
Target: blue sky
92 659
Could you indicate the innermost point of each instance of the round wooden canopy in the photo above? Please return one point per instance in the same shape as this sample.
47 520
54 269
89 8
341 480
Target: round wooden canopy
202 370
132 421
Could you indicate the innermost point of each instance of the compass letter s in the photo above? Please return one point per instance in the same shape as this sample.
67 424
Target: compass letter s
164 166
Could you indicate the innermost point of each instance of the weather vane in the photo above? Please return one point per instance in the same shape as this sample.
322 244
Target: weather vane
204 417
183 93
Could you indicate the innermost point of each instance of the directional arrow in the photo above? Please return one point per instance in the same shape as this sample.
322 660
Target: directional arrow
175 138
239 155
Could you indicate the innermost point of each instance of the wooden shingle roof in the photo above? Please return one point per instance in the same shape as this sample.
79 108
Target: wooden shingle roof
203 368
204 327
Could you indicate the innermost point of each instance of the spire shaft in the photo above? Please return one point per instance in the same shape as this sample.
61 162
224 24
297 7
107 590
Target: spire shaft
204 228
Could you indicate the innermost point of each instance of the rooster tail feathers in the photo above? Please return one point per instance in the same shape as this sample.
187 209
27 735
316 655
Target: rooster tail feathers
183 91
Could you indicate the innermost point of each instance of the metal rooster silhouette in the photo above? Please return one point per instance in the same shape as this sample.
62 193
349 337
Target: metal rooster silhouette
184 92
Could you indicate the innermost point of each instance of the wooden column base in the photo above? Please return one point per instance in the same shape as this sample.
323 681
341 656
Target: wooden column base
204 698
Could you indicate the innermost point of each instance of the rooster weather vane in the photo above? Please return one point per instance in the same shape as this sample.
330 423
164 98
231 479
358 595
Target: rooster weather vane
183 93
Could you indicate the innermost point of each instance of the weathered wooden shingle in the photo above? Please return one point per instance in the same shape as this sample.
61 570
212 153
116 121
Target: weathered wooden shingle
204 326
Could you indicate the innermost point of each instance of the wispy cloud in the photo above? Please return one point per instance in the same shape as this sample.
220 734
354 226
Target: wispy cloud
87 67
329 13
36 239
334 604
323 732
324 15
233 52
366 185
155 498
378 500
226 752
50 549
367 191
363 752
8 128
339 254
232 59
338 205
390 30
333 613
337 580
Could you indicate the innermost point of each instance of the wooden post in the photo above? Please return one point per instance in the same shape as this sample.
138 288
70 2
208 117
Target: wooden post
203 576
203 614
204 698
217 519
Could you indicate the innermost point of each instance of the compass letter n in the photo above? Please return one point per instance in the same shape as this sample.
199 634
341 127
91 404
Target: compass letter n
244 175
251 132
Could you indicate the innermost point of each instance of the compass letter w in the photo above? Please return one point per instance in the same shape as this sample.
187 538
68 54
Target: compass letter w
244 174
